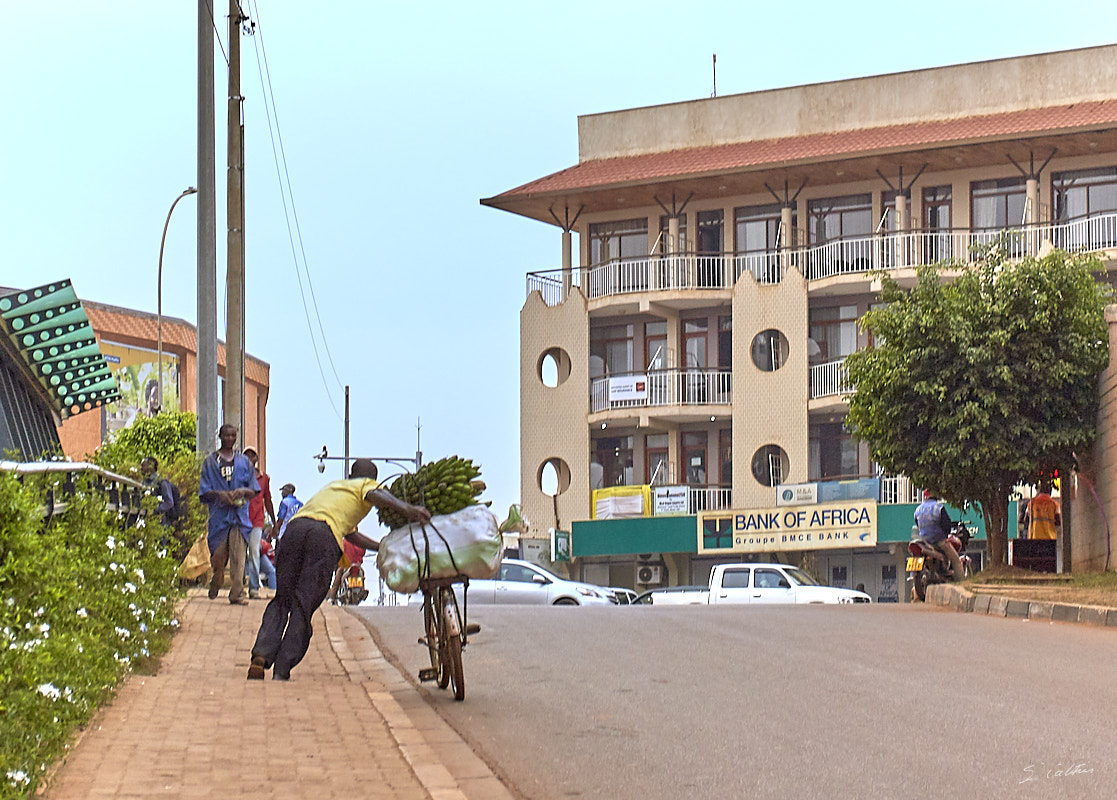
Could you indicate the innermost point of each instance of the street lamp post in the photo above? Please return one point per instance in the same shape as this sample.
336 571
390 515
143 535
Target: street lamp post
159 290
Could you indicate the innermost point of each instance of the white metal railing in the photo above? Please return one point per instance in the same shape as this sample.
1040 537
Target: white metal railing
666 387
898 489
708 498
838 257
830 379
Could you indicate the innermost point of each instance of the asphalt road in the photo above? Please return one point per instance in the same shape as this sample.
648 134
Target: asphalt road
817 702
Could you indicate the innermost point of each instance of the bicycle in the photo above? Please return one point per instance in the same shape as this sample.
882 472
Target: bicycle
446 632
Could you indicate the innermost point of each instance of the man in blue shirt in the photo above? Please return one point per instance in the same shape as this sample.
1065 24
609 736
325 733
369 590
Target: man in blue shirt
287 508
934 526
227 483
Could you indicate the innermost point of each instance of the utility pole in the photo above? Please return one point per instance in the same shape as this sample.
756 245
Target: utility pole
234 275
346 473
206 379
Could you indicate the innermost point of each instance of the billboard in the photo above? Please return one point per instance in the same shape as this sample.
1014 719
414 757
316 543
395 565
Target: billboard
137 373
826 526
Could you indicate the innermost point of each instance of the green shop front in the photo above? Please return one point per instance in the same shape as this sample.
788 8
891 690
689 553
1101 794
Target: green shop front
842 542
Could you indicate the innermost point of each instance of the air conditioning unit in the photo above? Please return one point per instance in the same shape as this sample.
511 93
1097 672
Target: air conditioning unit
649 573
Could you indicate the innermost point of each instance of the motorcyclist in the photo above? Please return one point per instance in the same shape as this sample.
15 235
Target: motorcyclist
934 526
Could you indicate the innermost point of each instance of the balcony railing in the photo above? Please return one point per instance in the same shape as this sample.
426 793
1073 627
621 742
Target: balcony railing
830 379
667 387
898 489
838 257
708 498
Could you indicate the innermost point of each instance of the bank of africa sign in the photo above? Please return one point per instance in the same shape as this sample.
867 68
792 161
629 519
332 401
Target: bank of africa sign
826 526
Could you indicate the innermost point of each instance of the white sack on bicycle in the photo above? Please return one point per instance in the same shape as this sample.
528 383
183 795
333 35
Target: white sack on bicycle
471 534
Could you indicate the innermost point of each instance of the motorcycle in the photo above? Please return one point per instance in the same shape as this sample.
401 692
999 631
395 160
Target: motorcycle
926 565
352 589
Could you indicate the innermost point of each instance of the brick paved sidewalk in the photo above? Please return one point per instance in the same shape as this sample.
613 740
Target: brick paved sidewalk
199 729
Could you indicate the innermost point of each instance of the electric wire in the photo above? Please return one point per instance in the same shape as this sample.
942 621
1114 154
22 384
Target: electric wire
217 33
262 52
284 192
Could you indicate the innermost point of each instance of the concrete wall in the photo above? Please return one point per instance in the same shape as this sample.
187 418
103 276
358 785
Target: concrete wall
988 87
553 419
769 407
1093 525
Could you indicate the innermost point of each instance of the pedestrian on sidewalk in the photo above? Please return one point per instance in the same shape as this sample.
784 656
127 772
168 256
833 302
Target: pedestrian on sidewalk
267 562
228 482
1042 519
305 563
257 507
287 508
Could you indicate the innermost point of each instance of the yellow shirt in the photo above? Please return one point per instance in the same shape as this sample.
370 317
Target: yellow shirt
1042 511
341 505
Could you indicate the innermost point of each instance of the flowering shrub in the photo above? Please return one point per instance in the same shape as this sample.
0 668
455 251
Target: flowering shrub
83 600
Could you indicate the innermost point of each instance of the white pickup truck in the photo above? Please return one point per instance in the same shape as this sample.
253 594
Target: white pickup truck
757 584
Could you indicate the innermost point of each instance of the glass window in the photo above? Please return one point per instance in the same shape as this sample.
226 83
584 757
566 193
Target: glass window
664 228
694 457
710 232
770 350
833 331
768 579
833 453
694 342
658 468
1084 193
997 204
725 450
840 217
936 208
624 239
769 464
758 228
516 572
735 579
725 342
611 347
614 454
655 345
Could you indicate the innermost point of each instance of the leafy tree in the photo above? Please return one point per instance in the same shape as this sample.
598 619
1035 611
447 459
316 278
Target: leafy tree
981 383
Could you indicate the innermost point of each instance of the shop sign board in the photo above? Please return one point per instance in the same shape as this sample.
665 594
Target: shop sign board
823 526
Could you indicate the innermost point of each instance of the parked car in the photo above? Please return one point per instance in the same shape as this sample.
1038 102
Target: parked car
758 584
526 583
673 596
625 597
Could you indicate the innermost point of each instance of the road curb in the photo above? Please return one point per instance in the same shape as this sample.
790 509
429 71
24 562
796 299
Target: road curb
445 765
959 599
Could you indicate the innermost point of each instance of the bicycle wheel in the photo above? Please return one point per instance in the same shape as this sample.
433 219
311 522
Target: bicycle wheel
452 642
430 625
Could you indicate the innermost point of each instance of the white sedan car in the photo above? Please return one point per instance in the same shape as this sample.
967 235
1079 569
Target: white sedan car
527 584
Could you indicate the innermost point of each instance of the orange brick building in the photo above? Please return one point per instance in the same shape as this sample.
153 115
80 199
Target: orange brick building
129 340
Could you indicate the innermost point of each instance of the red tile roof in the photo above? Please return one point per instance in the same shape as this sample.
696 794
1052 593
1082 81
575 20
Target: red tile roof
719 158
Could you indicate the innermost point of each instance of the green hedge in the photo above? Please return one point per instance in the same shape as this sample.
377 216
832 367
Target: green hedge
83 601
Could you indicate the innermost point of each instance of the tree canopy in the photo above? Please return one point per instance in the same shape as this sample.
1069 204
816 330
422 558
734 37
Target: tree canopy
983 382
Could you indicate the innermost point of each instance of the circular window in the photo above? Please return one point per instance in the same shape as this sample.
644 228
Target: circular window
770 465
553 477
554 367
770 350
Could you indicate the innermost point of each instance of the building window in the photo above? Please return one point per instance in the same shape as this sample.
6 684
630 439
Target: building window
611 350
694 457
725 342
725 451
1084 193
655 345
694 342
833 333
936 220
614 455
618 240
840 217
758 228
769 465
996 205
664 229
833 453
656 461
770 350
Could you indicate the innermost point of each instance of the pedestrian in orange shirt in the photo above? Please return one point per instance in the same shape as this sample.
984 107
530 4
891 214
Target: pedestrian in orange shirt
1042 519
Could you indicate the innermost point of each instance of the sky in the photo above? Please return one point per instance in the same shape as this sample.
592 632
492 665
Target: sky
395 120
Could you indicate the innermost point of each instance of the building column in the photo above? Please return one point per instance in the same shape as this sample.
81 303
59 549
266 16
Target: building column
787 240
1031 213
567 262
902 227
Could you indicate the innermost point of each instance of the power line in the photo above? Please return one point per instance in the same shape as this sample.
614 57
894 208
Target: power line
294 211
276 154
213 22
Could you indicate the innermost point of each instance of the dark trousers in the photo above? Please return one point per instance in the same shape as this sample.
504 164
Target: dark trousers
304 568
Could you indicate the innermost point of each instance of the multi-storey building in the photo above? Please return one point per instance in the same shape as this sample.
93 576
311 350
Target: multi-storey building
695 331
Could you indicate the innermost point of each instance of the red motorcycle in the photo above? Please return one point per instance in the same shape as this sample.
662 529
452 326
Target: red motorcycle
926 565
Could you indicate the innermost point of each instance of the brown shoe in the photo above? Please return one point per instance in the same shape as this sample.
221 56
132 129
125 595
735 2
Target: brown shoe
256 671
240 601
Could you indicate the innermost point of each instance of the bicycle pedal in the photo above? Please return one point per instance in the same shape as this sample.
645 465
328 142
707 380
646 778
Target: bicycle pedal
472 628
428 674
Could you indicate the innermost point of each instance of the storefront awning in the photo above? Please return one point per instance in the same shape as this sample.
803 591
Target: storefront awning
49 329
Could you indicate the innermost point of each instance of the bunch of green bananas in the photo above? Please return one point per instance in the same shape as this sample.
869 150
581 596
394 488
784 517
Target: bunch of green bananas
443 487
